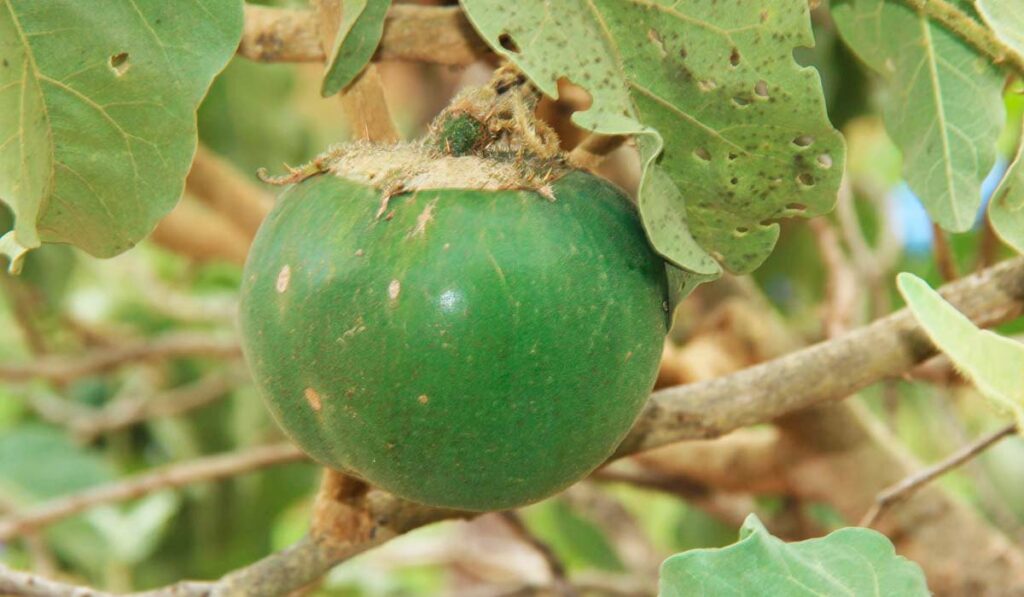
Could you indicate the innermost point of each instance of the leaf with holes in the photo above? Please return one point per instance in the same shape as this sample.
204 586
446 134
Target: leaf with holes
362 26
943 105
1006 207
850 561
732 131
993 363
1006 18
97 113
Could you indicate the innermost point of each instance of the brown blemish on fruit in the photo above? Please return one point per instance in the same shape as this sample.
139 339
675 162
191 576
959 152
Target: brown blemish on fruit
423 219
394 288
283 277
313 398
423 399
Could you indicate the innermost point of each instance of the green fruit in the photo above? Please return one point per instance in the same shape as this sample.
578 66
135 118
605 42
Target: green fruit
471 349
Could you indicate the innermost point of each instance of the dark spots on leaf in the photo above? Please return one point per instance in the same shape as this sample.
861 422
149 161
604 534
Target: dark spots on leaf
5 63
734 180
508 43
734 57
806 179
119 63
732 156
803 141
682 52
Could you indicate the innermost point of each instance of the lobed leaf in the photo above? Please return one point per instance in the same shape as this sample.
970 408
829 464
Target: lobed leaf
994 364
362 26
732 132
943 105
850 561
97 113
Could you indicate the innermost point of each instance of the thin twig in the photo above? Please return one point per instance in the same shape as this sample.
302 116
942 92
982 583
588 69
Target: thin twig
63 369
905 488
434 34
841 288
971 31
944 259
175 475
555 564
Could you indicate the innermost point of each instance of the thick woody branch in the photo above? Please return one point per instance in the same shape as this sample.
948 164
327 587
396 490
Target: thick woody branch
435 34
825 372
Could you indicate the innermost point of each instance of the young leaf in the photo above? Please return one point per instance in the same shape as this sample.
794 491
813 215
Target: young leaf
97 113
943 105
1006 18
993 363
743 127
1006 207
850 561
362 25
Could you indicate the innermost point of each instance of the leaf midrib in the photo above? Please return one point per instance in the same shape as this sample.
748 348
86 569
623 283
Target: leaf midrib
43 200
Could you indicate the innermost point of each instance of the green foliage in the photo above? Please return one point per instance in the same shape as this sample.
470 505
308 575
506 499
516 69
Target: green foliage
851 561
1006 19
745 136
362 25
994 364
97 113
943 102
1006 206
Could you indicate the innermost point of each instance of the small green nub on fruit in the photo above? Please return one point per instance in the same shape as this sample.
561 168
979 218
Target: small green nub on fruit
460 134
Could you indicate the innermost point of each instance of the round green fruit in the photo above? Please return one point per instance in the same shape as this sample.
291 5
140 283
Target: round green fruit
470 349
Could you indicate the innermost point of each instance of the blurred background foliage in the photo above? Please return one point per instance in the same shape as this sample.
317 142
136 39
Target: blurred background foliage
259 115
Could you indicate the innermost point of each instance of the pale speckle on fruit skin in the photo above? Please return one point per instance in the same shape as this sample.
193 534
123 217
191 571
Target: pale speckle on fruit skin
283 277
394 288
313 398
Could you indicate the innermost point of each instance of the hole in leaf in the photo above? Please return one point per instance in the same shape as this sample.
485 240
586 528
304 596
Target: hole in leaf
734 180
803 141
806 179
702 154
825 161
732 156
707 85
742 102
508 43
761 88
734 57
796 206
119 63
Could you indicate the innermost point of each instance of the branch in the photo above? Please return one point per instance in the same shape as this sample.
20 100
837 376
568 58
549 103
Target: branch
64 369
216 182
971 31
826 372
435 34
176 475
902 490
